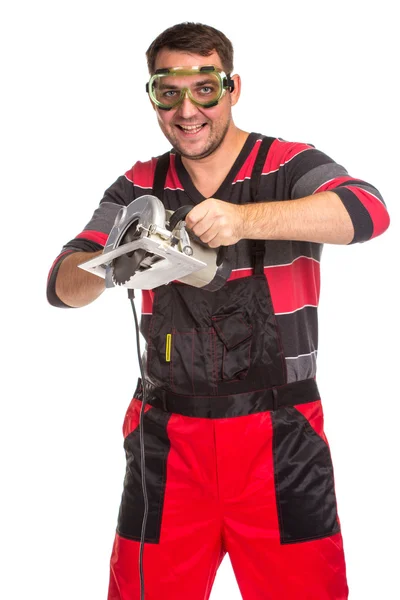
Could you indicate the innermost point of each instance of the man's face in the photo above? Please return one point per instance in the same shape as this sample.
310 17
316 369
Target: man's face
195 132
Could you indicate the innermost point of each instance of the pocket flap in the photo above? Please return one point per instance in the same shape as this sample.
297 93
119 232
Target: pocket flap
231 329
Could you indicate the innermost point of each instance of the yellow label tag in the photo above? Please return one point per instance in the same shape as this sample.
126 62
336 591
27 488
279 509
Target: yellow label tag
168 348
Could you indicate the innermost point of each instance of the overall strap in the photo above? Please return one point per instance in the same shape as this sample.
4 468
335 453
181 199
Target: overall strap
160 176
258 246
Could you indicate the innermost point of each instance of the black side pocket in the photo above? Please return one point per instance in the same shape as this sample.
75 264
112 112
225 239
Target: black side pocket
157 446
304 480
236 336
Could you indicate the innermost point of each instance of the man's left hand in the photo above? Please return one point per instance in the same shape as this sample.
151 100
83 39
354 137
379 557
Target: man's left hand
216 223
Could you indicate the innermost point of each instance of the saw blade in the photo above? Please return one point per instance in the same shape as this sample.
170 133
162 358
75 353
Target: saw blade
125 266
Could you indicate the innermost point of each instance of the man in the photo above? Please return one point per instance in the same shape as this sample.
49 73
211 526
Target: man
236 456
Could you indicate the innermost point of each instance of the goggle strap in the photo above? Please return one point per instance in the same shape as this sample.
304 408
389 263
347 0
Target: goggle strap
228 83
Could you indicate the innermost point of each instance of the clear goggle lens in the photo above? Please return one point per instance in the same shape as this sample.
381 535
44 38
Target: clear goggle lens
205 86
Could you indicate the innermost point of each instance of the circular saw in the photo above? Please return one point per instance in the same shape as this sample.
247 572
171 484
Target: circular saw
149 246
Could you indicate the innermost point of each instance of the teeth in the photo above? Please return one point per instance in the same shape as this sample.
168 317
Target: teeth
191 127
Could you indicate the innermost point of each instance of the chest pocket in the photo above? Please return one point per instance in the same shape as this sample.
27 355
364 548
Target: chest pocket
192 351
235 334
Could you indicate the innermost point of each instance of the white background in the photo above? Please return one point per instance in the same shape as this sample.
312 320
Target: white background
75 116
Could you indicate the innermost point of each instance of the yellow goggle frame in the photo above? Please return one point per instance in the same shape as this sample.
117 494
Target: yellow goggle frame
224 80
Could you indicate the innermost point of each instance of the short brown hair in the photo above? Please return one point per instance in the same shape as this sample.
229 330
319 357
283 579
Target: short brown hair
194 38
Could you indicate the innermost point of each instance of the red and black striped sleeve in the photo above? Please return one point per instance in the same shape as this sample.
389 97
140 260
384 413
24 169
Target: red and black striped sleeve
94 235
306 171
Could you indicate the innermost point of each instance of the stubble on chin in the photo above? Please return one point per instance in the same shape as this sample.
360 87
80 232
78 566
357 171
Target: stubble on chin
212 145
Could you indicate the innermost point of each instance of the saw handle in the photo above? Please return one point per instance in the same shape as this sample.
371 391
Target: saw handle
178 215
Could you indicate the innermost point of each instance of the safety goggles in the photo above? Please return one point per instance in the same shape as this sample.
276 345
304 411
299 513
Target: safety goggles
205 86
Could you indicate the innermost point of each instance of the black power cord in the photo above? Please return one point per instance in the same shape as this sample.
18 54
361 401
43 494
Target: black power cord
131 296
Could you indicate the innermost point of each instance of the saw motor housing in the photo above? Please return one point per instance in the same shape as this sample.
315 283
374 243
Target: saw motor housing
149 246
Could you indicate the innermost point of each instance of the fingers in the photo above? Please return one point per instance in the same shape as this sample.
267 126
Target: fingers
215 222
213 237
199 223
197 220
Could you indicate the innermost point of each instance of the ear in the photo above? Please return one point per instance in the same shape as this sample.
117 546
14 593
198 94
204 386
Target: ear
235 95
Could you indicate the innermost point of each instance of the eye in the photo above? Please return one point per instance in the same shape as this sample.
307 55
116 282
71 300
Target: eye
206 89
169 94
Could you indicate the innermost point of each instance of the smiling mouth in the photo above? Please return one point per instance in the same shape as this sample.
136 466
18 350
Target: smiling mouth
191 128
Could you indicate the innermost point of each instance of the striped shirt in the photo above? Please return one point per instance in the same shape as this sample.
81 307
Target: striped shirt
292 268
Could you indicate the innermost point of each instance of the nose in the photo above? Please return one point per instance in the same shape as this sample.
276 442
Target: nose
187 109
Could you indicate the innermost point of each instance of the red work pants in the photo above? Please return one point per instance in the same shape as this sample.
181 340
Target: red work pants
258 486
